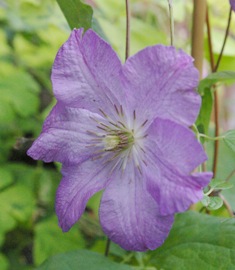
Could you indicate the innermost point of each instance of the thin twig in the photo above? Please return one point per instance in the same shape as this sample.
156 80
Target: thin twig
229 176
208 28
227 205
216 112
214 68
225 39
128 15
107 247
171 17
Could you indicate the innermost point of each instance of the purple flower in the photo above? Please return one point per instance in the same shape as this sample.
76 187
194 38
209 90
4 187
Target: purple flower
232 3
124 129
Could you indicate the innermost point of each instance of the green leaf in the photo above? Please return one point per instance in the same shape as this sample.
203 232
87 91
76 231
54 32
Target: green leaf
204 89
222 76
18 202
212 203
229 139
225 167
17 205
197 241
82 259
76 13
6 178
204 116
218 184
4 262
50 240
19 90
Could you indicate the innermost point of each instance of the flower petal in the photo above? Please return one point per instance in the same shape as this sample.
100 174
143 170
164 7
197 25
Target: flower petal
85 71
129 215
79 183
172 153
165 80
65 137
232 3
176 144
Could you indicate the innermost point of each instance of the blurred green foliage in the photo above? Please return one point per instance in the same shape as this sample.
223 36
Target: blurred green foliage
31 33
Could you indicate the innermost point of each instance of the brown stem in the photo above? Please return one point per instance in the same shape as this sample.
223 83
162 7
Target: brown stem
199 16
208 28
227 205
214 68
229 176
128 15
225 39
216 112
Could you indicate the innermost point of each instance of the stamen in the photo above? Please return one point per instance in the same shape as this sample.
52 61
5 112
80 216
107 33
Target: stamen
134 115
104 114
91 145
92 118
121 124
105 125
116 109
145 163
94 134
138 167
115 125
144 123
97 157
104 129
121 109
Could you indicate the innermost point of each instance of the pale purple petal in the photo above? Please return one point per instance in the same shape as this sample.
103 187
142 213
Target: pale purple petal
130 216
65 137
85 73
172 153
176 144
232 3
79 183
161 82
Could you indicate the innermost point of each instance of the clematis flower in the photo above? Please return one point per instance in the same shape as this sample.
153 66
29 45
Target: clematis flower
232 3
124 129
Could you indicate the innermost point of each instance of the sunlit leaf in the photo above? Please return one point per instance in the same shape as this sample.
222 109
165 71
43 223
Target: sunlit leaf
204 116
212 203
4 262
50 240
222 76
218 184
76 13
204 89
229 139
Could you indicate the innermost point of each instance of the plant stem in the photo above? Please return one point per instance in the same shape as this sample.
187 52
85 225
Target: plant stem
230 175
214 68
171 16
107 247
227 205
199 16
225 39
211 138
208 28
128 15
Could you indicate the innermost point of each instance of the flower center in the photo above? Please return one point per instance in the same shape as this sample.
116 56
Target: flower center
119 140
